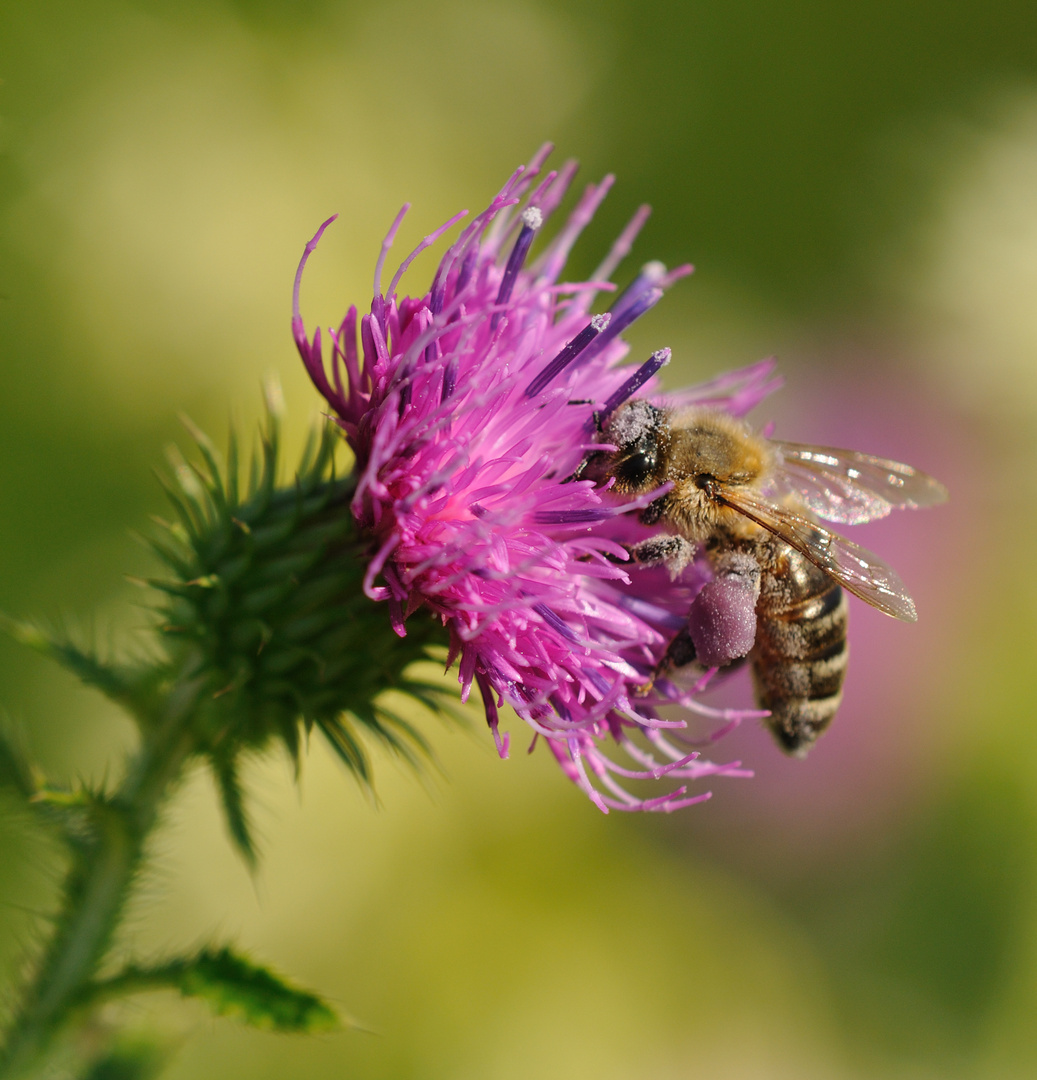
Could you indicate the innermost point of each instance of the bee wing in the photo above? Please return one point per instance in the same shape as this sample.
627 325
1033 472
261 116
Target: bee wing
863 574
850 487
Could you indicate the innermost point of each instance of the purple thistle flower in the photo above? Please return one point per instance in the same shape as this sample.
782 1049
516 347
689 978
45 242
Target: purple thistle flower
468 409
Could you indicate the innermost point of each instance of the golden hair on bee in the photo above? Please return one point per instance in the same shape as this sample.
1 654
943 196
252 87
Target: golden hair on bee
696 450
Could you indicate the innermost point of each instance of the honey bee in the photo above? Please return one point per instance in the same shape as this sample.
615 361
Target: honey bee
752 505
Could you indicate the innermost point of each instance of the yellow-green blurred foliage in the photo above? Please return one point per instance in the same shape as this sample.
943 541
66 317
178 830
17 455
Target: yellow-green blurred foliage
857 185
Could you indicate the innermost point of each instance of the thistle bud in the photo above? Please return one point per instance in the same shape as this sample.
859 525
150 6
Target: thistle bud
266 612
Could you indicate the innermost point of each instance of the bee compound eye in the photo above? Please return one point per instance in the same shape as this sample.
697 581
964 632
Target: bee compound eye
638 466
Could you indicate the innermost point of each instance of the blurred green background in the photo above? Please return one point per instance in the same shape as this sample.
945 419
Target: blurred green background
857 186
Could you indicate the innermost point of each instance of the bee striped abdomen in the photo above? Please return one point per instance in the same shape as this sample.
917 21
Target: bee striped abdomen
800 655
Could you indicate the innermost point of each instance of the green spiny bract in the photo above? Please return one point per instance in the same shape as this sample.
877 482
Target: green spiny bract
266 609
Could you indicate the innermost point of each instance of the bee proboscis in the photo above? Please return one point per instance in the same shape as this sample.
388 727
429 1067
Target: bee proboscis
753 502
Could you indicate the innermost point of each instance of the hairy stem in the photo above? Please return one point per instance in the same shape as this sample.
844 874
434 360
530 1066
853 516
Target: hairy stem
99 881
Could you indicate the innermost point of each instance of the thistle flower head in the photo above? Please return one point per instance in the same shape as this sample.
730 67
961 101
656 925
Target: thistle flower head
469 408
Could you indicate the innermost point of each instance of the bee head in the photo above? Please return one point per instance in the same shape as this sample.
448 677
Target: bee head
638 430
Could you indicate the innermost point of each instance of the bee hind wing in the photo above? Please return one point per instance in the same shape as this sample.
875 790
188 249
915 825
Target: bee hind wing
854 567
849 487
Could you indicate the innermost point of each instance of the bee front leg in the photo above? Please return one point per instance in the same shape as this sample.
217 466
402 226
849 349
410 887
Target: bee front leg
673 552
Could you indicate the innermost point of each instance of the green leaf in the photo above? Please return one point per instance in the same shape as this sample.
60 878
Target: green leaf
232 986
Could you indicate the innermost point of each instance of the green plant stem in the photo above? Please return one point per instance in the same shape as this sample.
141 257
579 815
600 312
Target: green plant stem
99 881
